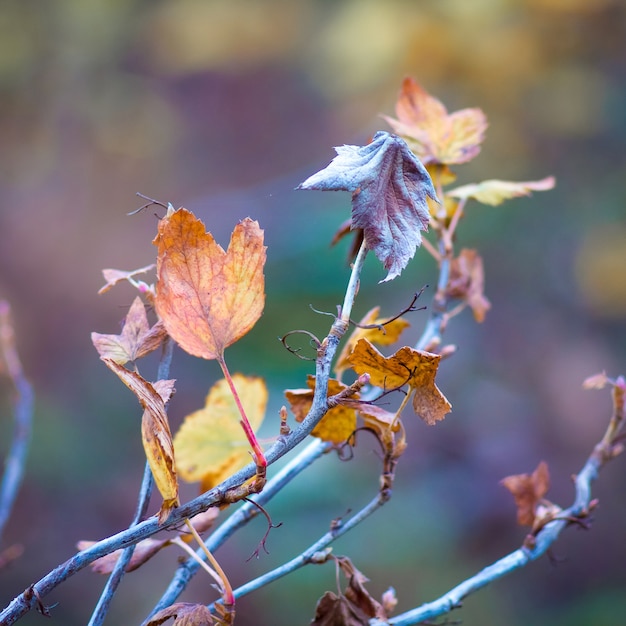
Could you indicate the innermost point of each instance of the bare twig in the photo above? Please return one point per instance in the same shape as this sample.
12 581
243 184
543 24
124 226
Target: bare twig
22 414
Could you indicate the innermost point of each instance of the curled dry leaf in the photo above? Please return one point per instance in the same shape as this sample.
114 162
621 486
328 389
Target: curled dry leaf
435 135
495 192
389 189
382 336
147 548
467 282
136 339
184 614
338 424
210 445
208 298
528 491
112 277
355 607
155 432
407 366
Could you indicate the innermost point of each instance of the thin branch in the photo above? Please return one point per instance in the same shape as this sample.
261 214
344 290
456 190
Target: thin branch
240 518
145 491
543 541
23 408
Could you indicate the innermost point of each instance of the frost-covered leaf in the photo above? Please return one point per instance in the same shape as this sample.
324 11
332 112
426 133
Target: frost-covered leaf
389 189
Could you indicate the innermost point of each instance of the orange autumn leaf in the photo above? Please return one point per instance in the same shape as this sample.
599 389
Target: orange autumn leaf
382 335
208 298
155 432
467 282
337 425
433 134
136 339
528 491
210 445
407 366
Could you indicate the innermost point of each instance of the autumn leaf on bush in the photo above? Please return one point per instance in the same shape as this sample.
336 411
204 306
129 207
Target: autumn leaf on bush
354 607
208 298
136 339
407 366
528 491
495 192
389 189
112 277
210 445
435 135
467 282
184 614
155 432
384 335
338 424
147 548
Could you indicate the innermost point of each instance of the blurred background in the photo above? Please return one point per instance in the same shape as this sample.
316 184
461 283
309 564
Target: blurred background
224 107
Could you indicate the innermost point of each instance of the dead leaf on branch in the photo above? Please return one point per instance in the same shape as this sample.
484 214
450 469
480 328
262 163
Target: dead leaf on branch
467 282
529 490
184 614
384 335
495 192
435 135
338 424
147 548
136 339
210 445
112 277
155 432
208 298
389 189
355 607
407 366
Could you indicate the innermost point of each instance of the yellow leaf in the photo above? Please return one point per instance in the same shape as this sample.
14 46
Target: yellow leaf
435 135
155 432
210 445
208 298
407 366
382 336
338 424
495 192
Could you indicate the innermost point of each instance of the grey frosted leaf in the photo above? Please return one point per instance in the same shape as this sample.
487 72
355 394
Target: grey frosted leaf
389 188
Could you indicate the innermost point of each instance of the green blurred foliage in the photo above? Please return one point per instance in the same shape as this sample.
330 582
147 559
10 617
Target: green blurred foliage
224 106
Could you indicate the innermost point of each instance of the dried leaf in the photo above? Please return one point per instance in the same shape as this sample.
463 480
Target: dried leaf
389 189
382 336
528 490
144 550
597 381
112 277
338 424
356 607
495 192
407 366
136 339
155 432
184 614
208 298
467 282
435 135
210 445
147 548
